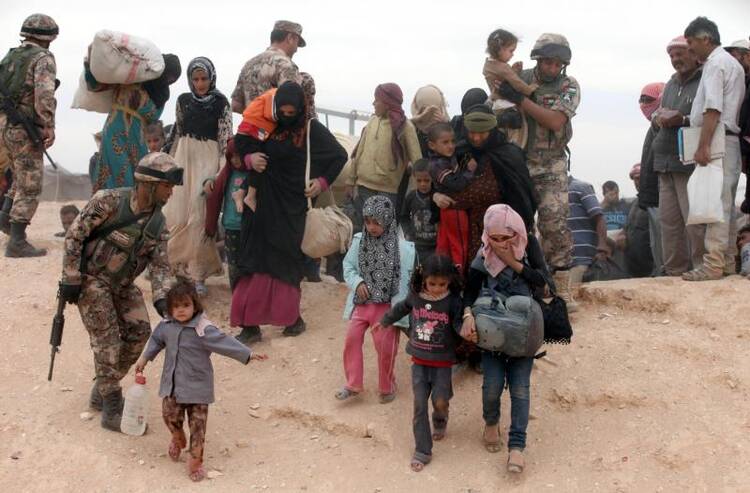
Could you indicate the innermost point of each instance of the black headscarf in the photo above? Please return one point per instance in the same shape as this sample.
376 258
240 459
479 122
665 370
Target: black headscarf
508 164
473 97
158 89
289 93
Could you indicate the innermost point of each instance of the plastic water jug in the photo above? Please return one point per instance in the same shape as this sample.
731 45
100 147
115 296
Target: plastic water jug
136 408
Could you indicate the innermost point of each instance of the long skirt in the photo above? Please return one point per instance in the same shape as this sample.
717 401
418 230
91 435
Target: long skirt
191 253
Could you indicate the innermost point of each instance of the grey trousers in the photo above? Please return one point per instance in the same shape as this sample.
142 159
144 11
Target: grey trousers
682 245
720 243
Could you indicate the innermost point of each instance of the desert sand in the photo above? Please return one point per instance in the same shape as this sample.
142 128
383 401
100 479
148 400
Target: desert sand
652 395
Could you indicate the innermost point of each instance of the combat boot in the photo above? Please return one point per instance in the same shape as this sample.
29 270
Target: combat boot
5 215
562 283
95 399
18 246
112 410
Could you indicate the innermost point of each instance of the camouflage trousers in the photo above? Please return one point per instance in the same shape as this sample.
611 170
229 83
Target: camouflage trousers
174 416
118 327
27 168
549 172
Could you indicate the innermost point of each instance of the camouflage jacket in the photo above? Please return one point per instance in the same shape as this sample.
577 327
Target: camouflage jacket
41 101
563 95
102 257
261 73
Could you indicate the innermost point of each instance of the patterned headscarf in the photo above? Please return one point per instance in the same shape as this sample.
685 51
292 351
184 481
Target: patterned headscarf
652 90
379 261
392 97
502 219
202 63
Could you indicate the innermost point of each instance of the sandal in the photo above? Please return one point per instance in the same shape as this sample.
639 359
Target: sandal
345 393
195 470
701 274
418 461
438 434
492 446
515 461
387 398
176 445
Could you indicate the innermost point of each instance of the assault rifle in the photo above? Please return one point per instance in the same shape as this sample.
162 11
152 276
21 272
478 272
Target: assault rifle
55 336
15 117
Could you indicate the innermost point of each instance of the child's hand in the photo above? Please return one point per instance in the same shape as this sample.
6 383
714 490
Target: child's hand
208 187
362 292
472 165
140 365
469 329
258 357
238 196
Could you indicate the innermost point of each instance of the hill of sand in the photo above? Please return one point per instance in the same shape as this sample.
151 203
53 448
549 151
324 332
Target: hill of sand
652 395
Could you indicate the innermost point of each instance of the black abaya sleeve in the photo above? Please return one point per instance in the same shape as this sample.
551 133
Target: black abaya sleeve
327 156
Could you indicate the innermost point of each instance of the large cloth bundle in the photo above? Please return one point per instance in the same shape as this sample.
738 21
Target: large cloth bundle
512 325
99 102
119 58
327 230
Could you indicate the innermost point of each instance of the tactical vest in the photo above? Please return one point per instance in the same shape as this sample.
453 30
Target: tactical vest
13 70
117 253
547 89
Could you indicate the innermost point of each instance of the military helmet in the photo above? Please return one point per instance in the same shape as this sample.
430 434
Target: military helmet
40 26
159 166
550 45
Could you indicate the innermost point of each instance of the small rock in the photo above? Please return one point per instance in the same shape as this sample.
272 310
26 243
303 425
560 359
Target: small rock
213 474
133 451
369 430
255 406
16 455
253 414
290 391
732 384
86 416
225 452
241 444
621 406
315 360
141 462
665 322
161 454
66 389
314 437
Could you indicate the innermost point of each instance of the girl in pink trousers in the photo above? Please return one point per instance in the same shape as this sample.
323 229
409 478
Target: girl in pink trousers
377 269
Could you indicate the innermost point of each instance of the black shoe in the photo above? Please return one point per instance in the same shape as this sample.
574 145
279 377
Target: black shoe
112 410
249 335
311 270
296 329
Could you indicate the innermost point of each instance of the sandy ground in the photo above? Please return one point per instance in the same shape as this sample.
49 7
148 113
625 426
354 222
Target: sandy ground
651 396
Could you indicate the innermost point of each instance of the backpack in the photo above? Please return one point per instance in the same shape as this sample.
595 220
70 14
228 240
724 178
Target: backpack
13 70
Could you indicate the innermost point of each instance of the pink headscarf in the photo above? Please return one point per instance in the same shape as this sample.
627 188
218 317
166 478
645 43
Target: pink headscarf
653 90
392 97
502 219
678 42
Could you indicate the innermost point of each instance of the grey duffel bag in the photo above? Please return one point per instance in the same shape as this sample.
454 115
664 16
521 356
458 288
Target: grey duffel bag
512 326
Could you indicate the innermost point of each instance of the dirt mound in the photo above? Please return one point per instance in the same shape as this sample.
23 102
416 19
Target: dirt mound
651 395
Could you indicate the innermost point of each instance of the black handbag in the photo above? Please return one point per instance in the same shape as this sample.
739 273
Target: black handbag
557 328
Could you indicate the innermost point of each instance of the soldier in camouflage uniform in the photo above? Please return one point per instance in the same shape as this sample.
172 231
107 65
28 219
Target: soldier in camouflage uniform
548 113
27 74
115 237
271 68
